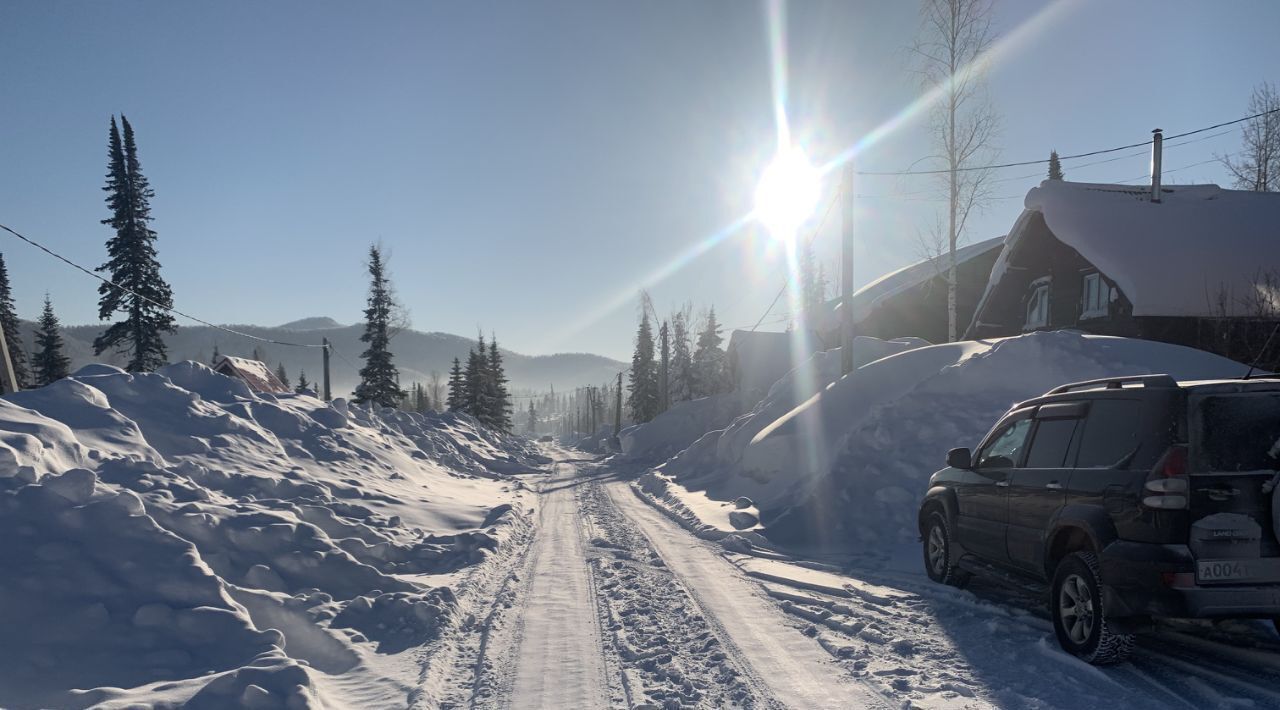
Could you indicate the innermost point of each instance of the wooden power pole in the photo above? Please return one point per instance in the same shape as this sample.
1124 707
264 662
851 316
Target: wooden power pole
846 270
617 410
327 393
8 381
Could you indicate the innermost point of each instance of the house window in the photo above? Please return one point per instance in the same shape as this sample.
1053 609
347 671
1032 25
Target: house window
1038 306
1093 299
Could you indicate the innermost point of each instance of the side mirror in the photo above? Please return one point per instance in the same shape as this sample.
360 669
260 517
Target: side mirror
960 458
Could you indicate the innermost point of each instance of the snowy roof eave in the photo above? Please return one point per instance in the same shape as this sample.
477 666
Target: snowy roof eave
1171 258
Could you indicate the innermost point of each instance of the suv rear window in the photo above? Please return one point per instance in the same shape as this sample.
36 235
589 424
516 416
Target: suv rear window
1238 432
1110 433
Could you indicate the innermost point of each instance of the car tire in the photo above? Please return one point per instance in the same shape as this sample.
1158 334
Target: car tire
1079 618
940 553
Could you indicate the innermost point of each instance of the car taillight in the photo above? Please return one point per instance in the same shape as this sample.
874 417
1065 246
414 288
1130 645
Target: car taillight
1174 461
1168 484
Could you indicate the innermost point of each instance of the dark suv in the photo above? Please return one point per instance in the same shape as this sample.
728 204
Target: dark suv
1133 497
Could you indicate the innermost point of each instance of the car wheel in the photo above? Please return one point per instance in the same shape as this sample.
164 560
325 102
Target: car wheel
939 554
1079 618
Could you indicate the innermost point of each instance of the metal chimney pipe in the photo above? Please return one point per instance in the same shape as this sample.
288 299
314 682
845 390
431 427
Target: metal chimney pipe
1156 143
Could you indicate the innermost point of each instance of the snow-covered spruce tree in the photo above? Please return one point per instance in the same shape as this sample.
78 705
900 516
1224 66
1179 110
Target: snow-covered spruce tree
1055 167
131 263
710 373
457 388
9 322
303 385
476 377
379 379
281 374
681 359
643 389
50 362
500 397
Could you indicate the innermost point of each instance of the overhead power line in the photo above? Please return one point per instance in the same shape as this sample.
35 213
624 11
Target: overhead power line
787 282
153 302
1069 157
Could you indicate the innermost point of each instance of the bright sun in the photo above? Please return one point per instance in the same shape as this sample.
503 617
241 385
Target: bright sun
786 194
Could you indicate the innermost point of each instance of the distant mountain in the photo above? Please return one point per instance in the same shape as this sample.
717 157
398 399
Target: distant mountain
313 323
417 354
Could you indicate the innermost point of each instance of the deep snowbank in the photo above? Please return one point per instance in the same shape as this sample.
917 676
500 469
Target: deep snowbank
847 465
685 423
174 538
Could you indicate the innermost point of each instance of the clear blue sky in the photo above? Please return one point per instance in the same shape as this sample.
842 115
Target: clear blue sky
525 163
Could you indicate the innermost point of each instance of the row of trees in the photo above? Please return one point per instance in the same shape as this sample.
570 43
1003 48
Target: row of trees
480 387
677 367
49 362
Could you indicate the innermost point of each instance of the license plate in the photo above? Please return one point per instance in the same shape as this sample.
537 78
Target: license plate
1212 571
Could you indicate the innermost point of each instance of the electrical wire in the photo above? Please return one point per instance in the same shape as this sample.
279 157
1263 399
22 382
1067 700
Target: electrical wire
153 302
1069 157
809 242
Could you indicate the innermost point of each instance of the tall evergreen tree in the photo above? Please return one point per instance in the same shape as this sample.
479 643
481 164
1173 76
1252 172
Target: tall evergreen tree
51 362
1055 166
710 373
303 385
379 379
457 388
213 361
643 388
281 374
476 376
9 322
500 408
143 295
533 419
664 368
681 360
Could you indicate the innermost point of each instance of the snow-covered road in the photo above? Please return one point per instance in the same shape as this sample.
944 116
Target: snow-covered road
614 605
559 663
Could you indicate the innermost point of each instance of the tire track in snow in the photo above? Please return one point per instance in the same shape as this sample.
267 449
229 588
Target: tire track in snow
559 662
794 668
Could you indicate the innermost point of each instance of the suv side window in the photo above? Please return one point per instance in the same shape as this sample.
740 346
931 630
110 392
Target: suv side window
1005 448
1051 443
1110 433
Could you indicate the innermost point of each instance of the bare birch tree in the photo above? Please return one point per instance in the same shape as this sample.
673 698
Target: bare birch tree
950 51
1257 165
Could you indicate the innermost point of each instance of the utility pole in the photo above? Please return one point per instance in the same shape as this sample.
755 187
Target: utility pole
8 381
846 270
617 410
327 393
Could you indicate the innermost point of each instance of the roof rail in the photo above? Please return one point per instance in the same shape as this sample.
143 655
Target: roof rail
1149 381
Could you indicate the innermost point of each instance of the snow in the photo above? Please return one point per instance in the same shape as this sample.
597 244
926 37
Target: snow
844 465
174 538
1170 258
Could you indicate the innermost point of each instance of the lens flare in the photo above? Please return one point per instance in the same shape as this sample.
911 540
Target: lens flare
786 194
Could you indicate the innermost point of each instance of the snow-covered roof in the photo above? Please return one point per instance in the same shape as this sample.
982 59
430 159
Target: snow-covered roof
1171 258
255 374
868 298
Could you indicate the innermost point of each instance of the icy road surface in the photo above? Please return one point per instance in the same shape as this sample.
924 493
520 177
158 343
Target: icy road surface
615 604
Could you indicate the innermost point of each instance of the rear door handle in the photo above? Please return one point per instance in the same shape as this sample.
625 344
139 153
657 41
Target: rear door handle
1002 484
1053 486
